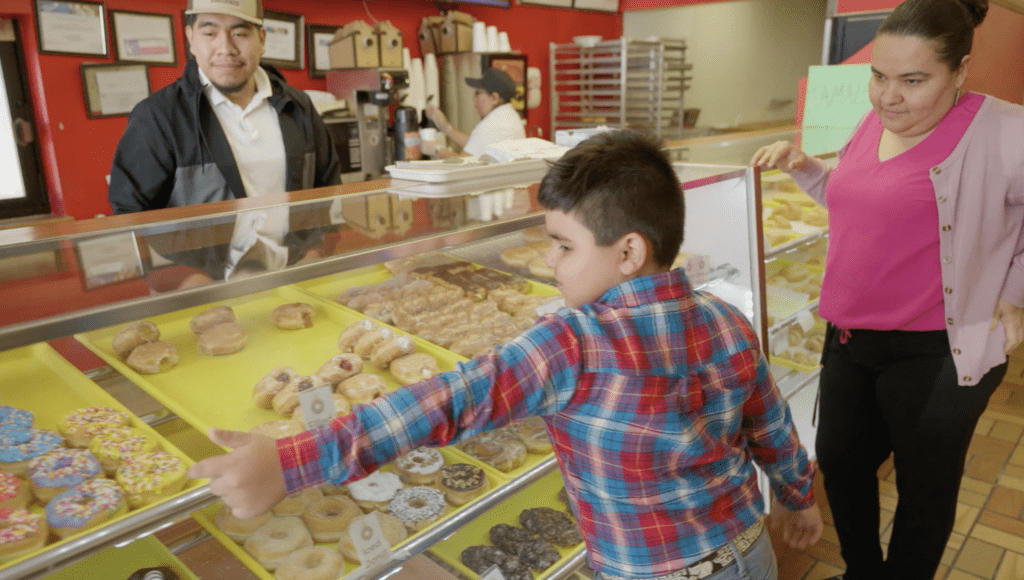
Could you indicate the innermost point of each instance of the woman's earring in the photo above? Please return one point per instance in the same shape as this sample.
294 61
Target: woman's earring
957 100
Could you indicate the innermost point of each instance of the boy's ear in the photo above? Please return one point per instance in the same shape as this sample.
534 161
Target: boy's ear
635 253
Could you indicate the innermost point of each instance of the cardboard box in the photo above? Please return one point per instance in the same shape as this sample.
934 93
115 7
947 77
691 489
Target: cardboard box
429 34
389 40
354 46
457 32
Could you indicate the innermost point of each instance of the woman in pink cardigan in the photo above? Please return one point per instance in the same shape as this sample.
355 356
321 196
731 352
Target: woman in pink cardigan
923 287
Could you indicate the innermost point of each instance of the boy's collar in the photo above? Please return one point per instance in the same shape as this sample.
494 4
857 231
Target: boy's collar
647 289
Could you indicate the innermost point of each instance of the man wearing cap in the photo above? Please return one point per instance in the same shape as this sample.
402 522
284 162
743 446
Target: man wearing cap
228 128
499 119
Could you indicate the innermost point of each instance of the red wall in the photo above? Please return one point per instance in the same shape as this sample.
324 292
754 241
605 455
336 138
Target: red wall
77 151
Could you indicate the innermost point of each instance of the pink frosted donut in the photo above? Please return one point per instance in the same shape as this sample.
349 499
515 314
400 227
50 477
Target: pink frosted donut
61 469
21 532
84 506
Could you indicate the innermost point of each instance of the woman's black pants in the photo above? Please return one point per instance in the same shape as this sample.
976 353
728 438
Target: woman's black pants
895 392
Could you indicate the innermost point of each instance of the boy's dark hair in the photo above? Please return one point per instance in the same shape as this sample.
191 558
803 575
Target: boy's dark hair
619 182
948 23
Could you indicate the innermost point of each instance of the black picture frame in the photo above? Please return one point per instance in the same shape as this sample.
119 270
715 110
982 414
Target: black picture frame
272 21
161 49
68 27
122 102
314 33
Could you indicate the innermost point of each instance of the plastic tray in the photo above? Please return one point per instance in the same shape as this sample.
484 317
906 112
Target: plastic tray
216 391
543 493
38 379
121 563
779 359
207 518
469 168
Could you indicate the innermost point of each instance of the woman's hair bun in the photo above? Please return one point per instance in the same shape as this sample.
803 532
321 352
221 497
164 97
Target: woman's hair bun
977 9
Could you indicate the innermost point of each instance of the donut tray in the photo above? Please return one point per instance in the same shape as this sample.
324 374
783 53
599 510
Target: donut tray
543 493
216 391
207 518
119 563
38 379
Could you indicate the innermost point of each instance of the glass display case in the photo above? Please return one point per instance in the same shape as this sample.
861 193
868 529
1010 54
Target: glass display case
72 288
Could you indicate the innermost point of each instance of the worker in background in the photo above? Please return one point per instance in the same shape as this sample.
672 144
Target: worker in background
499 119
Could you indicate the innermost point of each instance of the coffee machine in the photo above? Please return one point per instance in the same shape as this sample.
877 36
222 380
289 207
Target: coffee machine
370 92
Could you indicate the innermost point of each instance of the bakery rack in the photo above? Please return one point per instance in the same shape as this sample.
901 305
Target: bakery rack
619 83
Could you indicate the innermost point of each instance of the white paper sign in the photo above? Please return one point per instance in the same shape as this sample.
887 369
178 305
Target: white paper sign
120 91
280 43
317 406
805 319
369 540
493 573
322 48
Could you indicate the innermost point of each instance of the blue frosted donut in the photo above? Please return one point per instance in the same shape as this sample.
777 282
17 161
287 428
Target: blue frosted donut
15 437
14 418
83 505
40 441
61 468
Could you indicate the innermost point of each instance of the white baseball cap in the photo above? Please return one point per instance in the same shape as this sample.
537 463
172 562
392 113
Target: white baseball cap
248 10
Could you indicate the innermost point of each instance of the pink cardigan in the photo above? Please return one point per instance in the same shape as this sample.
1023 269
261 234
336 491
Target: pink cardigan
979 190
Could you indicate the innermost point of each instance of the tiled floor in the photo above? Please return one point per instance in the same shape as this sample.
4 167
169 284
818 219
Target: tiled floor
988 537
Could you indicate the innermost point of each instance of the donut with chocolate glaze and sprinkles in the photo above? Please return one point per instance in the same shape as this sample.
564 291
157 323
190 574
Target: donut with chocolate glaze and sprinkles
148 477
58 470
21 532
81 425
14 458
15 418
85 506
14 492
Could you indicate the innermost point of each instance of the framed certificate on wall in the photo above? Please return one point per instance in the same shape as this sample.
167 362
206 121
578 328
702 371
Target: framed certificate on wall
142 37
77 28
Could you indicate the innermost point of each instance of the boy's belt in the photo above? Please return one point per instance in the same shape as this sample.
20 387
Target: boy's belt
713 562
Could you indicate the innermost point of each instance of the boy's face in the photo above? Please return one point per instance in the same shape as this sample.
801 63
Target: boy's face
583 270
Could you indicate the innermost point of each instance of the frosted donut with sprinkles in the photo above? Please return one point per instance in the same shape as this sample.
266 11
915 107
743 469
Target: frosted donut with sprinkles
85 506
58 470
14 458
21 532
15 418
149 477
14 492
81 425
110 446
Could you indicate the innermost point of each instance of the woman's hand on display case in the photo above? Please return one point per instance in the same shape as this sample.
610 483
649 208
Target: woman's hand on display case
1013 323
800 528
248 478
780 155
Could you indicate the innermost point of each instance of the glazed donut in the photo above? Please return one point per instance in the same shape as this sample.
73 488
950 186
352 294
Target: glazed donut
533 433
461 482
21 532
81 425
328 517
518 256
312 563
133 335
238 529
270 385
413 368
340 367
14 459
280 428
389 349
375 491
368 340
472 345
287 400
539 268
536 233
275 540
296 503
349 336
153 357
341 408
15 418
149 477
85 506
501 450
207 319
393 528
419 466
362 388
222 339
418 507
111 445
14 492
58 470
293 316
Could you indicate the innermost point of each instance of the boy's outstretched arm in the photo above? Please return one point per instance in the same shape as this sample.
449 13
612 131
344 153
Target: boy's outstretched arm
248 478
800 528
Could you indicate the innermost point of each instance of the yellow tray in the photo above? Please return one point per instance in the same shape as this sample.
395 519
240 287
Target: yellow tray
120 563
543 493
207 518
790 363
216 391
38 379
